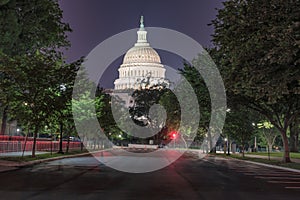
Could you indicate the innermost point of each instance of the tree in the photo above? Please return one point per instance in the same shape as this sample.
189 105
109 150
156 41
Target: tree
63 99
239 125
204 101
146 111
35 80
210 94
269 133
170 102
257 49
105 117
83 114
25 27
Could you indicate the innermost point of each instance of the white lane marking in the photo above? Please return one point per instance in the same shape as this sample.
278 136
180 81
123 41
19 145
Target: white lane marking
278 177
285 182
292 187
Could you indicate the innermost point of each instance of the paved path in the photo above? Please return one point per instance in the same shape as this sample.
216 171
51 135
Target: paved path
26 153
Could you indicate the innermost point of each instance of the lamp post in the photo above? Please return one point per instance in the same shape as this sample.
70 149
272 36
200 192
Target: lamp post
227 147
255 142
62 88
228 152
60 138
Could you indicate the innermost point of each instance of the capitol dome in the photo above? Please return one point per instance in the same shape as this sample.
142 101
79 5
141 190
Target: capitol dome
141 67
140 54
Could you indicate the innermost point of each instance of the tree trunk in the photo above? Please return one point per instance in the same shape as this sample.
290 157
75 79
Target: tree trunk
269 152
270 146
294 132
4 120
34 141
68 143
211 146
243 150
185 144
61 138
26 137
286 155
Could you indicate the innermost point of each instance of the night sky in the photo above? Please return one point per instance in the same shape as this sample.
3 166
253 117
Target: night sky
93 21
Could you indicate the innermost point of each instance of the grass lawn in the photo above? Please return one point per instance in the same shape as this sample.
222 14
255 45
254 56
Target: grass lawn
40 156
275 154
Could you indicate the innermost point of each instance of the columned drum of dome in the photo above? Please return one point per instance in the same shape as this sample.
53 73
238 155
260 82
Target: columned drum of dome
141 65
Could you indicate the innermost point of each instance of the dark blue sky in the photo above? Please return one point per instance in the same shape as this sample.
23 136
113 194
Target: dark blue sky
93 21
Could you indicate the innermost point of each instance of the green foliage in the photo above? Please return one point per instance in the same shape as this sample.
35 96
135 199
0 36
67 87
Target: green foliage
105 116
32 69
268 133
169 101
143 100
258 39
239 124
147 98
200 89
26 26
257 49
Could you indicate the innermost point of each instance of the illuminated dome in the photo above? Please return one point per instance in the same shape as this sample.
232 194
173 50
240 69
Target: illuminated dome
141 54
141 67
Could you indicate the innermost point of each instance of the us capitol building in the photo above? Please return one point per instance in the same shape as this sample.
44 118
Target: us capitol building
141 68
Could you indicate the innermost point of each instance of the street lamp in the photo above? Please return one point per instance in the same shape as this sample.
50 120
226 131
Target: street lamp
227 146
255 143
62 89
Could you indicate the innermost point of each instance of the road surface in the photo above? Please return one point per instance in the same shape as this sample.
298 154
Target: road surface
187 178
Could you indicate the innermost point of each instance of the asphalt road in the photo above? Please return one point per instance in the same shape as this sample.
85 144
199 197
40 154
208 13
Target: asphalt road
187 178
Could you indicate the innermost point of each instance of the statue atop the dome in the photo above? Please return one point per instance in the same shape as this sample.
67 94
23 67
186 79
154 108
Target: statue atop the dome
142 22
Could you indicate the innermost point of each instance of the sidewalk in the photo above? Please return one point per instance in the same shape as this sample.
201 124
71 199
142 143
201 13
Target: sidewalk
19 153
6 165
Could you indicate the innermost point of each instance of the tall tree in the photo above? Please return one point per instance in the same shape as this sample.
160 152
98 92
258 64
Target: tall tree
269 134
204 101
257 49
36 82
25 27
239 125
